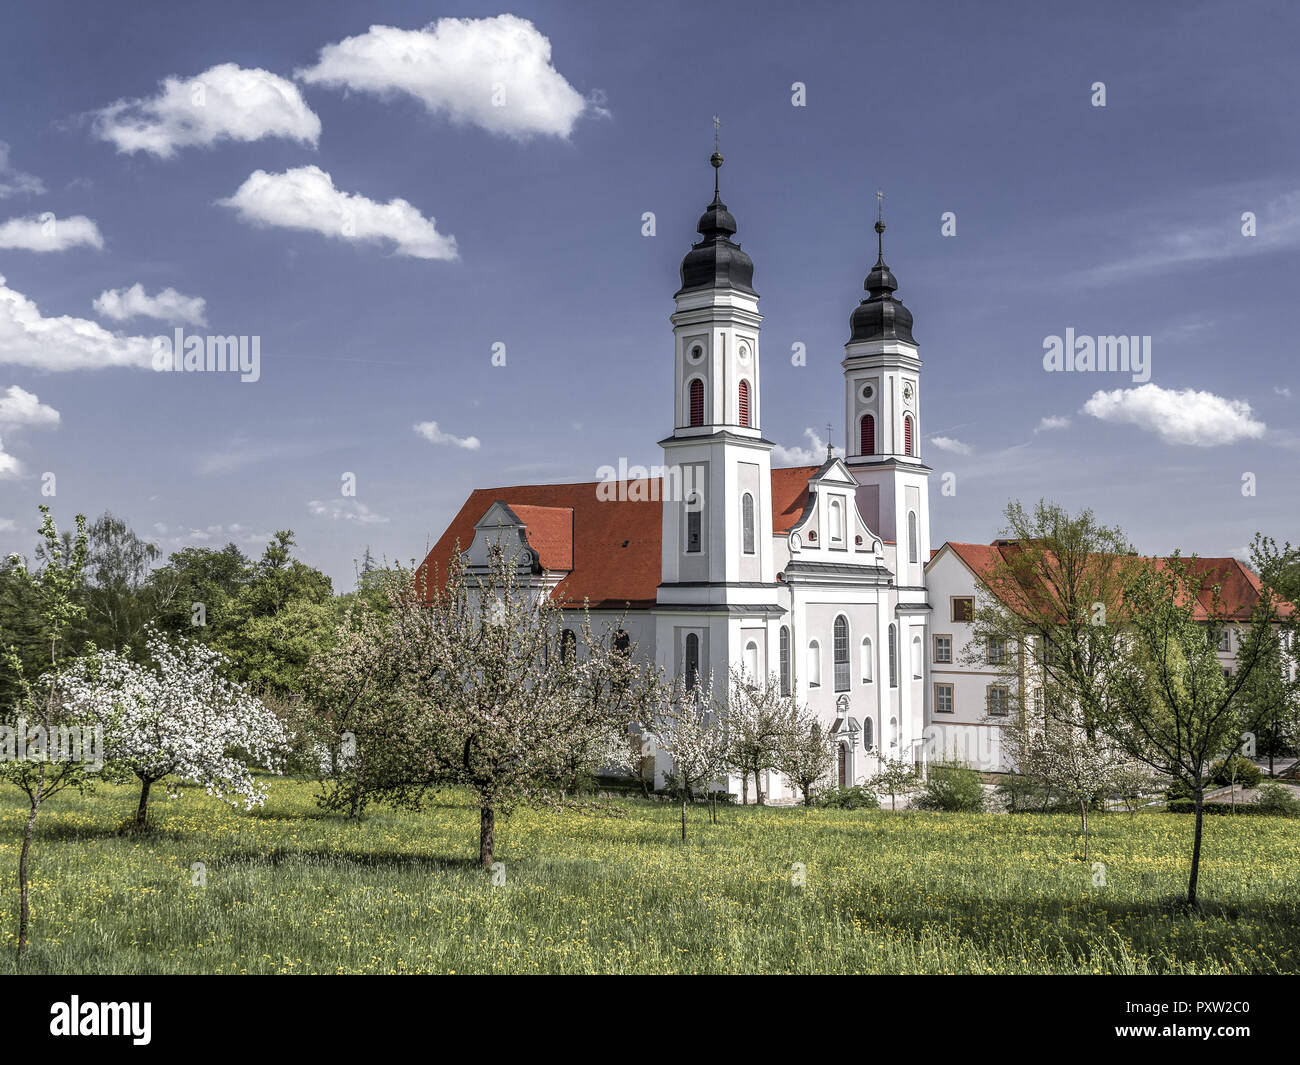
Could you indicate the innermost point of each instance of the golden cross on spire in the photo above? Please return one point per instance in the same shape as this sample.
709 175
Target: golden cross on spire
880 205
716 123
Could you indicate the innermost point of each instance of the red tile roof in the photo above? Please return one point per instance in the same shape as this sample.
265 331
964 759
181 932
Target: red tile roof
550 534
609 548
1239 588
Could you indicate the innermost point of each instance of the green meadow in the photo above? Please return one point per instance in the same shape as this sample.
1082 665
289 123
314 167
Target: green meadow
287 889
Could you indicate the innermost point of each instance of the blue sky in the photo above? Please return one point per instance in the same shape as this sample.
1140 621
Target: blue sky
1122 219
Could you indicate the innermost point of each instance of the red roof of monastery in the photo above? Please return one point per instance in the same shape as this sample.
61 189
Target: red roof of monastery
1239 588
609 547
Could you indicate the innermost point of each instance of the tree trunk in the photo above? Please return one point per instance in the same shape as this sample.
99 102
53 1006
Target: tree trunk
1083 812
713 807
22 878
1196 849
683 818
758 788
744 788
354 812
486 836
142 811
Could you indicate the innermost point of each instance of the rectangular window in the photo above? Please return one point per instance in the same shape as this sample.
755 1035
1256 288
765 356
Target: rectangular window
1225 640
943 698
694 519
997 652
943 648
999 699
963 608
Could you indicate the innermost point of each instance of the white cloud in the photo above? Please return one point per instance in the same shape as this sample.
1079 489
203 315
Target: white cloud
305 198
948 443
227 102
27 338
1200 419
44 232
21 409
431 432
8 525
10 467
1282 390
813 454
495 73
345 510
15 182
1052 421
168 305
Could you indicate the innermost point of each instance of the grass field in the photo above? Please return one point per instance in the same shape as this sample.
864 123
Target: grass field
291 891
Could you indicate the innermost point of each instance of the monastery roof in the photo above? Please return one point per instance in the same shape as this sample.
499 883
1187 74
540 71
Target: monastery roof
609 548
1239 588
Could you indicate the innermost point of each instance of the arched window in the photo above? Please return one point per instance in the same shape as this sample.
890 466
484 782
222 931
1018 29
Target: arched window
785 659
692 659
694 520
841 653
868 438
743 404
814 665
913 541
837 521
868 733
568 645
907 435
747 523
842 765
751 659
867 665
697 402
916 658
893 656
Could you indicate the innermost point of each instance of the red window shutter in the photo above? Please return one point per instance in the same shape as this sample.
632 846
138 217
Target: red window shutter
907 435
697 402
744 403
868 435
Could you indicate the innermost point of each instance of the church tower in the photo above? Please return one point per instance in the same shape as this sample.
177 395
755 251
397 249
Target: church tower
882 399
717 589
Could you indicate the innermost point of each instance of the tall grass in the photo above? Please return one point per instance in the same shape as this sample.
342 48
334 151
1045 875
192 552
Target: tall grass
289 890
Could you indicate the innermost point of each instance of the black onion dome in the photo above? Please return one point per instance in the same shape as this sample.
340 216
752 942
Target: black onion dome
717 261
880 316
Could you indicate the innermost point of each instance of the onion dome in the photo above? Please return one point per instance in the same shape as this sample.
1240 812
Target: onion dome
880 316
717 261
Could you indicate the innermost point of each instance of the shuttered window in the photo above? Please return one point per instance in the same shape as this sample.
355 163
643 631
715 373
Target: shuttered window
868 435
697 402
907 435
744 404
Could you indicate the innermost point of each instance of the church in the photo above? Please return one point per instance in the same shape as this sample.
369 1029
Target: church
820 575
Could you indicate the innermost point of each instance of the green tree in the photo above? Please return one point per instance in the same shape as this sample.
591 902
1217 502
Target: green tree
41 718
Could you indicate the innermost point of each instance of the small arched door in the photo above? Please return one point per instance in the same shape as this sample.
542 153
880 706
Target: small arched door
844 765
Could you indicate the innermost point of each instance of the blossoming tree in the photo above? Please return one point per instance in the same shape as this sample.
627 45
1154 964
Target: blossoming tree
176 717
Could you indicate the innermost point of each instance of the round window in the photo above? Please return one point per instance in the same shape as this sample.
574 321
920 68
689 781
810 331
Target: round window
697 353
743 353
868 392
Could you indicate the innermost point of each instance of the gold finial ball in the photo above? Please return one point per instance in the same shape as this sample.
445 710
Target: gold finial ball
716 159
880 226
